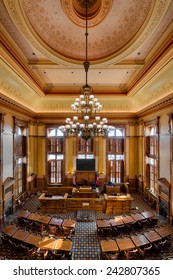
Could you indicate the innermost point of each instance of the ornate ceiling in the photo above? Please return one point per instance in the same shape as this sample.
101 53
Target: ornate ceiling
129 48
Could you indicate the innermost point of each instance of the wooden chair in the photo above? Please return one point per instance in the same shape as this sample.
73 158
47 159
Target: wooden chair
145 251
130 254
53 230
111 256
119 229
14 244
28 250
129 227
142 223
153 221
68 232
159 246
41 254
57 255
106 232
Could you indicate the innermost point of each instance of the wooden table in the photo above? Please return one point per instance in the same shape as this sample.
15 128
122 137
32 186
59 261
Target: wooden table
23 214
69 223
164 231
128 219
63 245
117 221
152 236
33 216
137 217
109 246
10 230
33 239
56 222
125 244
43 219
147 214
47 243
140 240
21 234
103 224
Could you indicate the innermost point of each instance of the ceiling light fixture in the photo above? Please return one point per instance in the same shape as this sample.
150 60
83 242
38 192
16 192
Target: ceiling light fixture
87 107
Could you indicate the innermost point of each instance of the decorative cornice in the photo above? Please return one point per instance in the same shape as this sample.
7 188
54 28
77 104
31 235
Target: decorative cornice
161 104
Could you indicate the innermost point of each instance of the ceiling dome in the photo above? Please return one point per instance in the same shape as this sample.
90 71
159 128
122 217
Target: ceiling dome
96 11
114 26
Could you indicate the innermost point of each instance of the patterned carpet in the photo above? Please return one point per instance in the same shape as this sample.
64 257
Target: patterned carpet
86 242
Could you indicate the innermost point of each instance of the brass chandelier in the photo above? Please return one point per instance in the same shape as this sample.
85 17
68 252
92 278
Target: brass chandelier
87 106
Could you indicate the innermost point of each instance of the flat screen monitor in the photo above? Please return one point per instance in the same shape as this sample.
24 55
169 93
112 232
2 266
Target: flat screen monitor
85 164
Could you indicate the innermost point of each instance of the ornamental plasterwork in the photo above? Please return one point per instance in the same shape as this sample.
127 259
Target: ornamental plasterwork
12 86
77 14
97 48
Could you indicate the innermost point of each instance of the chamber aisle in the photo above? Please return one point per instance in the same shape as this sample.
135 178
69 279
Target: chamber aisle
86 244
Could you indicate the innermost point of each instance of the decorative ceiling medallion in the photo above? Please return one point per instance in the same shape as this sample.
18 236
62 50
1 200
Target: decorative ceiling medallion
97 11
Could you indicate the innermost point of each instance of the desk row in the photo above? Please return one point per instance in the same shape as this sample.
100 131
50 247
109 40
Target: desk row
121 220
46 220
135 241
32 239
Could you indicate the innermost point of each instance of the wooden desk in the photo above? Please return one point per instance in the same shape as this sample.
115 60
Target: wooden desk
127 219
9 230
125 244
117 221
33 216
152 236
44 219
137 217
69 223
164 231
118 204
33 239
63 245
109 246
21 234
23 214
56 222
47 243
103 224
147 214
140 240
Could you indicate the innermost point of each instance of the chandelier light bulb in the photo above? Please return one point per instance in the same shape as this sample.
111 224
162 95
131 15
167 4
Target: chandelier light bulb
86 118
90 125
67 120
75 118
97 118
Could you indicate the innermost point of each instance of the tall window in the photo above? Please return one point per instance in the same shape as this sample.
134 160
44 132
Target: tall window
115 154
20 153
151 158
85 148
55 155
